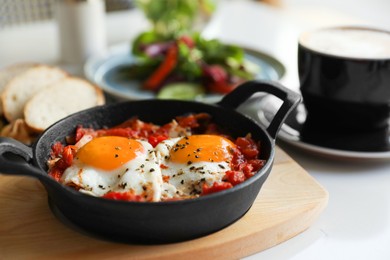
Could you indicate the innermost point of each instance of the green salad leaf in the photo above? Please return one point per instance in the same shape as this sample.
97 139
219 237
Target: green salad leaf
172 53
173 17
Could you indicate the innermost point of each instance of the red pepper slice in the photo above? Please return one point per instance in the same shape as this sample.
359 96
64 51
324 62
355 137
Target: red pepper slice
165 68
126 196
68 154
248 147
154 140
56 150
235 177
217 186
56 173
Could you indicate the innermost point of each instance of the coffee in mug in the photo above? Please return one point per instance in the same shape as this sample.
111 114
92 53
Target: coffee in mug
344 75
358 43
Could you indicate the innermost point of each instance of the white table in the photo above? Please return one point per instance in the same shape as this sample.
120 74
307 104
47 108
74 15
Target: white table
356 223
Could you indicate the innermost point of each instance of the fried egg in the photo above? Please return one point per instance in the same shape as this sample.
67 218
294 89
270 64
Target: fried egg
190 161
113 163
175 168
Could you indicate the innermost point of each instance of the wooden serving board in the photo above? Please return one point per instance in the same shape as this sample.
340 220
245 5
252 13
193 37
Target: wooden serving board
288 203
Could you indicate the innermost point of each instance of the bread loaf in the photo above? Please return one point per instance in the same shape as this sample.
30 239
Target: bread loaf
59 100
8 73
22 87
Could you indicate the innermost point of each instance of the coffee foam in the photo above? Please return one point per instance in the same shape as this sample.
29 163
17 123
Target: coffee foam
349 42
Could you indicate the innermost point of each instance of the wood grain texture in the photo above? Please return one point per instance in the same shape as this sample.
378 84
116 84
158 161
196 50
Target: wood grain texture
288 203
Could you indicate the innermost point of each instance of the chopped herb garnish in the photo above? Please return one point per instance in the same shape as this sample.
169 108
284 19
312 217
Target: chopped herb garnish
221 166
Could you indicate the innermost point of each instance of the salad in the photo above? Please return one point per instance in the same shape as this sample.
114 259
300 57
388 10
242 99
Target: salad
175 62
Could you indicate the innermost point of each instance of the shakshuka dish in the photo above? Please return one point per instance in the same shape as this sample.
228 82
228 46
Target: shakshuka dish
139 161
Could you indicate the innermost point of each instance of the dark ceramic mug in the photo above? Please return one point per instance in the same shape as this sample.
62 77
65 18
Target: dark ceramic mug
344 77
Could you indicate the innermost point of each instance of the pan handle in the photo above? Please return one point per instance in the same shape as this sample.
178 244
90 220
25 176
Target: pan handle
243 92
16 159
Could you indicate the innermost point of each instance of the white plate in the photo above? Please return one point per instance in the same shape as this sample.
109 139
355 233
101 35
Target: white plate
265 111
101 69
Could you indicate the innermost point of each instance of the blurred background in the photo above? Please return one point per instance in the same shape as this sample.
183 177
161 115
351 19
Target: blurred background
31 21
16 12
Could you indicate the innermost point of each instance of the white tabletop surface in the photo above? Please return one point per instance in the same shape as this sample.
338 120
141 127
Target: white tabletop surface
356 223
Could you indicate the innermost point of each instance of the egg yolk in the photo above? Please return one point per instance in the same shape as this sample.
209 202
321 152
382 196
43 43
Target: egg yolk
202 148
109 152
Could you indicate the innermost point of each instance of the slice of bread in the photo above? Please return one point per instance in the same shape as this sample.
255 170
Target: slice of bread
21 88
59 100
10 72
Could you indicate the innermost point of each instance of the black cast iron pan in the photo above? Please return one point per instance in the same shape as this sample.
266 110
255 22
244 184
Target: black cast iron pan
153 222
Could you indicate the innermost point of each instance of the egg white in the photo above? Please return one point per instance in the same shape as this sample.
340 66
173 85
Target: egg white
187 180
142 175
